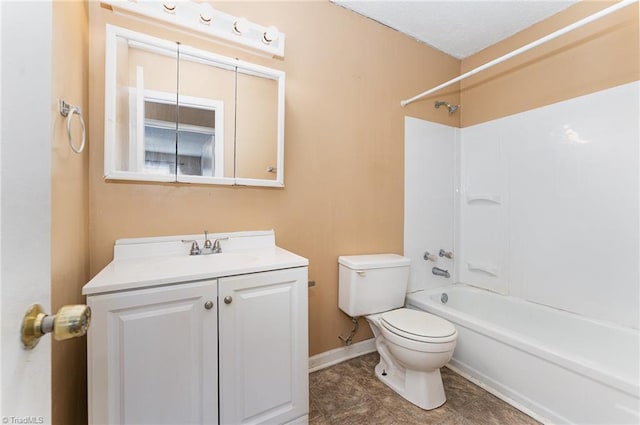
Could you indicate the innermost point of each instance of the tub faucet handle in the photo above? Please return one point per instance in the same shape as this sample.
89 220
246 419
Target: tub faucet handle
447 254
429 257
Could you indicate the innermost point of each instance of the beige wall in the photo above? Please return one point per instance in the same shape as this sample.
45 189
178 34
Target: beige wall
344 132
344 149
70 207
601 55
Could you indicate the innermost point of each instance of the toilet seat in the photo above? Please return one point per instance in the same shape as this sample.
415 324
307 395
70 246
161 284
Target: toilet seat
418 326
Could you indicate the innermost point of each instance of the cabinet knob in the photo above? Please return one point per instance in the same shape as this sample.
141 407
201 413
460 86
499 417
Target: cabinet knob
228 299
208 305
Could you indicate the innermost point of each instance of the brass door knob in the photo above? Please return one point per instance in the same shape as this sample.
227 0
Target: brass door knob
70 321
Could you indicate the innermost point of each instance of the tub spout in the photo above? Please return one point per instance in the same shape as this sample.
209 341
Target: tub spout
440 272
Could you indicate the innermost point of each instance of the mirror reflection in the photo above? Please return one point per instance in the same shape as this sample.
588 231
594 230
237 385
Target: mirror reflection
195 140
209 84
144 71
257 126
178 114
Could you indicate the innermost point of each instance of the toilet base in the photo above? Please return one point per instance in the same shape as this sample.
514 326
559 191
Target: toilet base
424 389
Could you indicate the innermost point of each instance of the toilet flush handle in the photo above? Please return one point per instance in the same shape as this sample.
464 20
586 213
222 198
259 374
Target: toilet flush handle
361 273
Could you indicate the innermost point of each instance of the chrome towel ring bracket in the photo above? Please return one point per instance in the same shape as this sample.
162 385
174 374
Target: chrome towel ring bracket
67 110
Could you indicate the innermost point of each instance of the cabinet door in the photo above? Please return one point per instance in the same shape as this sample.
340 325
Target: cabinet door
263 347
152 356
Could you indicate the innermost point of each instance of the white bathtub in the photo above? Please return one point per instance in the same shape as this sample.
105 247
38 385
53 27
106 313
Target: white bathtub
558 366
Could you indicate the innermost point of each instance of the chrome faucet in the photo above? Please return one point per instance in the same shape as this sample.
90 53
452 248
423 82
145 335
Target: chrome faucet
216 245
440 272
207 247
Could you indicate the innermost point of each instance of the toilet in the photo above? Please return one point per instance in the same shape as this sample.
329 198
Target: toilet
413 345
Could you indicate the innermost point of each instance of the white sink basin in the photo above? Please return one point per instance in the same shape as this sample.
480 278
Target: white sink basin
228 259
223 259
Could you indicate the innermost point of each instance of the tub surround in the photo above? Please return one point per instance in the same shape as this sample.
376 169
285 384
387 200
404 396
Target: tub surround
537 206
429 201
562 232
550 184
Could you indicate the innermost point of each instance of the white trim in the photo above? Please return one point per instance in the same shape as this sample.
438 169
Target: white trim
1 142
136 123
339 355
239 181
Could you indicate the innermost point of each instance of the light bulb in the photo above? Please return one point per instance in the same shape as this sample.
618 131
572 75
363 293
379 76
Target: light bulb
206 13
270 34
240 26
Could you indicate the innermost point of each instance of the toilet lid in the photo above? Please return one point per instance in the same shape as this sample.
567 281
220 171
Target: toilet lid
418 325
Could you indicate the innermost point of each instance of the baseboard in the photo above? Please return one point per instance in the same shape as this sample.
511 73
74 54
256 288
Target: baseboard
338 355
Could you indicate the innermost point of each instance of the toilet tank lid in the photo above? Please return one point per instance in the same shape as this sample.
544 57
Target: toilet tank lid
373 261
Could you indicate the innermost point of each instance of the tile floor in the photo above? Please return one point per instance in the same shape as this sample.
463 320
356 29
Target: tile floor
349 394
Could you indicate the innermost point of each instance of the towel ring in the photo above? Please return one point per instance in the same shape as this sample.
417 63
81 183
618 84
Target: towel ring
67 110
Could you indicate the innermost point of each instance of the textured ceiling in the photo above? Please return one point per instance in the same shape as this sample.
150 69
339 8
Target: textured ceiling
458 28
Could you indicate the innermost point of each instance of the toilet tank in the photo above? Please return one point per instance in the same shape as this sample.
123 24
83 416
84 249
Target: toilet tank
369 284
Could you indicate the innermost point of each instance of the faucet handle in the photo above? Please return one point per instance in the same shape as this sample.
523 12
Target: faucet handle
447 254
195 249
207 242
216 245
429 257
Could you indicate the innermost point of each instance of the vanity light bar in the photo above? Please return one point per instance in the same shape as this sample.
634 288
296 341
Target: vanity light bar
202 19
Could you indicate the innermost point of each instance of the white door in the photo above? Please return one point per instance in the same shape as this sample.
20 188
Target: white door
263 347
25 205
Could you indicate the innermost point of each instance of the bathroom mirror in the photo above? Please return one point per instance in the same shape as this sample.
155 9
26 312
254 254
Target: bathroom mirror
257 128
178 114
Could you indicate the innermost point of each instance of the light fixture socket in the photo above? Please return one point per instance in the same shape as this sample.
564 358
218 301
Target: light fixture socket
240 26
205 21
270 34
206 13
169 6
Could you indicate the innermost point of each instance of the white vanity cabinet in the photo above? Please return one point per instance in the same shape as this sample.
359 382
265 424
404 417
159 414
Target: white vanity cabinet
217 339
263 347
153 356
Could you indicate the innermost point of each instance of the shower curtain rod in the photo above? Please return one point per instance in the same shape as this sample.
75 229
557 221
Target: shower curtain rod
525 48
